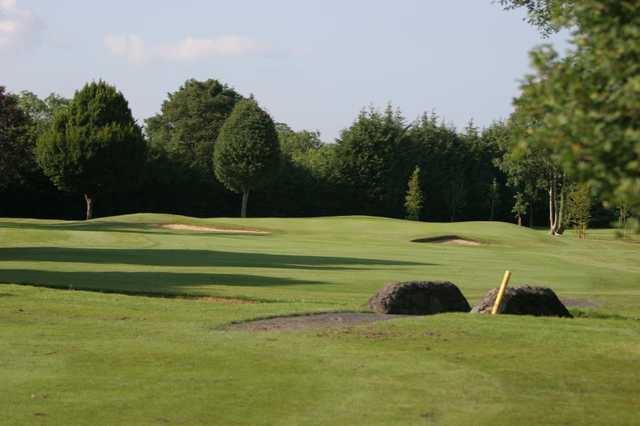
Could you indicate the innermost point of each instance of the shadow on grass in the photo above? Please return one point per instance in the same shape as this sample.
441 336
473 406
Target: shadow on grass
122 227
591 313
140 282
193 258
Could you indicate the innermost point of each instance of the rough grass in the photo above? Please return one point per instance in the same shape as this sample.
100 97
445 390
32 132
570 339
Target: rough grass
78 357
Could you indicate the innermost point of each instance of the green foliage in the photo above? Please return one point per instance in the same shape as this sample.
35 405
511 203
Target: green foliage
181 142
520 207
189 123
414 200
369 160
297 145
15 141
93 147
579 209
247 152
458 167
539 12
591 98
41 111
529 158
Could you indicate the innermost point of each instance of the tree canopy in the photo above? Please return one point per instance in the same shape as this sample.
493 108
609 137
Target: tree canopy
94 146
190 120
368 157
247 151
14 138
590 98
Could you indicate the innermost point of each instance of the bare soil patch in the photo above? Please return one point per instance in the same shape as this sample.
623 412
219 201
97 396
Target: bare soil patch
312 321
448 239
197 228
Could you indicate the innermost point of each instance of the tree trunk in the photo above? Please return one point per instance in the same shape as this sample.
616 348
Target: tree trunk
552 216
556 206
519 220
89 200
245 201
560 220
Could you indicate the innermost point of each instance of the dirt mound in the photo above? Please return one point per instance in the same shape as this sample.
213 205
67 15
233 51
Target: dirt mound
312 321
447 239
419 298
196 228
525 300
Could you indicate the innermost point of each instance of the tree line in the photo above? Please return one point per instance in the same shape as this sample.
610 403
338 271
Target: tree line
567 156
169 165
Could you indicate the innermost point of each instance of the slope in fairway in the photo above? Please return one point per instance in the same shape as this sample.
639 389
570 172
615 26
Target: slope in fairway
70 357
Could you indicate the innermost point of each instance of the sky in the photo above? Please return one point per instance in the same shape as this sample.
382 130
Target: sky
311 64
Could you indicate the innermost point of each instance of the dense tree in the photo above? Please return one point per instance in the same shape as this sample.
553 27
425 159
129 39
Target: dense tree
365 172
95 146
247 151
33 194
181 142
591 96
297 145
414 200
451 164
190 120
529 158
371 164
41 111
15 142
486 195
302 185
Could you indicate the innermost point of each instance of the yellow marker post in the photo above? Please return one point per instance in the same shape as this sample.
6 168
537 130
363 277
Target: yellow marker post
503 288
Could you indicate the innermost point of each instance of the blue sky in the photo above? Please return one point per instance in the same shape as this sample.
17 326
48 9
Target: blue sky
313 65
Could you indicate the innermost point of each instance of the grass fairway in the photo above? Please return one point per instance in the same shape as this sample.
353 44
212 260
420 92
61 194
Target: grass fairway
86 357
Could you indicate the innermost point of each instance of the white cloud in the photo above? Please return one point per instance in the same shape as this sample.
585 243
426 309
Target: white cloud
131 47
135 50
19 28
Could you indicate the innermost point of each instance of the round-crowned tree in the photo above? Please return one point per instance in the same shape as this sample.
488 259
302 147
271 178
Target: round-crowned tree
94 146
15 146
247 152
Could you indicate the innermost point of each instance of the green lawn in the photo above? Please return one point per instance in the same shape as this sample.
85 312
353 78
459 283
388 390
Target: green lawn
87 357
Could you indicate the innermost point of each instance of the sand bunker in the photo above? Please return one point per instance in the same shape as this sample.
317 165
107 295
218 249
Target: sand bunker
448 239
311 321
195 228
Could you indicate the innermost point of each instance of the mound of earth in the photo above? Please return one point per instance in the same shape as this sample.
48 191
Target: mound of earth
447 239
197 228
525 300
311 321
419 298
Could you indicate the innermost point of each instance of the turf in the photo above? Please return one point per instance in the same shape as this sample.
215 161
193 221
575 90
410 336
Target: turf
103 357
